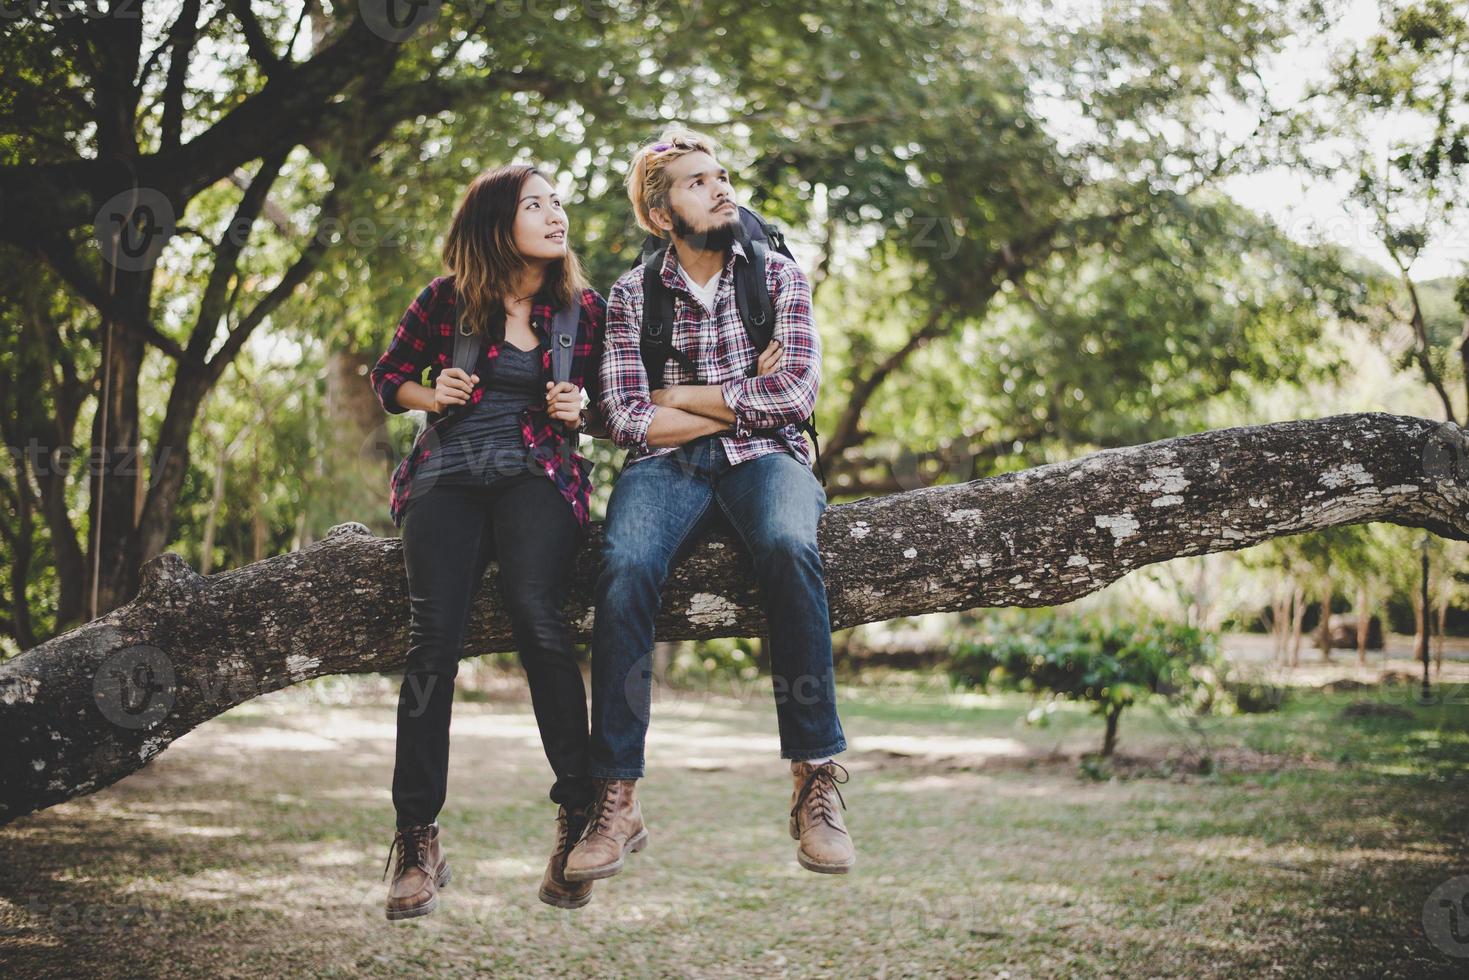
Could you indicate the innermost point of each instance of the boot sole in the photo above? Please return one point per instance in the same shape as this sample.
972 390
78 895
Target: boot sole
817 866
825 869
442 880
564 903
637 843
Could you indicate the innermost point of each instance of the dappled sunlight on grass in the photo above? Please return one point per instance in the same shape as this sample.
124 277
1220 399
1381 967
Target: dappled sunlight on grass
274 740
980 849
977 749
1293 856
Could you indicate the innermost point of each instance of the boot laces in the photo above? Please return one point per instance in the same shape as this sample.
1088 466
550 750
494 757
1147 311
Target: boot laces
411 843
570 825
606 806
817 790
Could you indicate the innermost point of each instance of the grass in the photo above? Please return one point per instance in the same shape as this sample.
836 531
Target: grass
255 844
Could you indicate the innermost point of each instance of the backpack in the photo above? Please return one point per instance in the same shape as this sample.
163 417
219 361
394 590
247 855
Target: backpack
470 347
752 297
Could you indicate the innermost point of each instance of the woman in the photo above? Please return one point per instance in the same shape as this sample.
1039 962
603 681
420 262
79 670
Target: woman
486 478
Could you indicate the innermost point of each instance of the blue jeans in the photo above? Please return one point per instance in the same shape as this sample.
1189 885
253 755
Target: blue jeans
657 510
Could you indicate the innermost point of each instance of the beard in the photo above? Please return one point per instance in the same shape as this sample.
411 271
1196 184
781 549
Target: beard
715 239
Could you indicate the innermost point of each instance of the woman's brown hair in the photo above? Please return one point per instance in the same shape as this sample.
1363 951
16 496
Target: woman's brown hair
480 252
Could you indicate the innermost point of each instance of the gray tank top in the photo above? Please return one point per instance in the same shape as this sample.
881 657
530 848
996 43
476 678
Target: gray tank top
487 444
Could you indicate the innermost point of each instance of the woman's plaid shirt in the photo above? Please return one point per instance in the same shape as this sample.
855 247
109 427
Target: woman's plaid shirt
720 349
425 339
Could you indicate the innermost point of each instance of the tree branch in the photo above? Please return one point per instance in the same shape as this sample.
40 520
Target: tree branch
256 41
183 35
846 433
56 197
87 708
227 255
306 263
59 253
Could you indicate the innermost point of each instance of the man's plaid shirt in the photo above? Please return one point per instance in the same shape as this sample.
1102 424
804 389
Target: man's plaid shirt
425 338
716 342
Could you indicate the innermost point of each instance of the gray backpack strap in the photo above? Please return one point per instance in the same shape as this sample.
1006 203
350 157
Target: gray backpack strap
563 341
563 346
468 347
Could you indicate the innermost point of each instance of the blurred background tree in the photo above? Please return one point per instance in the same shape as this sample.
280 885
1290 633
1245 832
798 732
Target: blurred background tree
1014 218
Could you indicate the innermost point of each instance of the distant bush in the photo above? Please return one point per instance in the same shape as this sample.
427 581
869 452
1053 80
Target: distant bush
1253 697
1110 666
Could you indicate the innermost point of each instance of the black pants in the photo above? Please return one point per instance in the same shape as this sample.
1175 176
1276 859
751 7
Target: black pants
450 535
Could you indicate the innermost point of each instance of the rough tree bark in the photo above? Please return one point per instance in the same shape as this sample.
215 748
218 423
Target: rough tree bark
87 708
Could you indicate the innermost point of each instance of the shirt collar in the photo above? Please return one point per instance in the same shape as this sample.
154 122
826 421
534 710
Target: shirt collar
670 274
541 313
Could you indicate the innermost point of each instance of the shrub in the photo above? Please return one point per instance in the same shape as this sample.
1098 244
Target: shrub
1110 666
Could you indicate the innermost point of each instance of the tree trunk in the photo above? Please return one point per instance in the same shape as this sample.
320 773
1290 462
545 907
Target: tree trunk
1279 626
1298 618
663 653
1364 622
1109 740
355 451
1323 629
87 708
211 519
114 463
257 515
1443 616
1420 632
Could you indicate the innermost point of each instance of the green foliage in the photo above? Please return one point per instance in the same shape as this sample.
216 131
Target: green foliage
1110 666
1085 281
1394 113
721 658
1253 696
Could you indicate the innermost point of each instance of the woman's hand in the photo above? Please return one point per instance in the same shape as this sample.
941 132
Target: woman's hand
770 358
452 387
563 403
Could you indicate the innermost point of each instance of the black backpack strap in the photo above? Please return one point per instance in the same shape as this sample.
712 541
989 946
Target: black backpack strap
656 340
752 298
809 427
757 313
753 226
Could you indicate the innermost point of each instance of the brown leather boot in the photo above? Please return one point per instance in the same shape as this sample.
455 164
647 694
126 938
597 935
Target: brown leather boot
615 829
422 871
555 889
816 822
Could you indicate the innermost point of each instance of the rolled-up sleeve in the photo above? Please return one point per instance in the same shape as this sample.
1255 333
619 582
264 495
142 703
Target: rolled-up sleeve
594 320
787 394
407 354
624 402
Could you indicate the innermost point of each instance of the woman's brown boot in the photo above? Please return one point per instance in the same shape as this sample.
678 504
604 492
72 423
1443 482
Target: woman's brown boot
422 870
555 889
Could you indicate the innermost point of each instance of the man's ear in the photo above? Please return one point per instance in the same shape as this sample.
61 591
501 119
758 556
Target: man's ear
661 219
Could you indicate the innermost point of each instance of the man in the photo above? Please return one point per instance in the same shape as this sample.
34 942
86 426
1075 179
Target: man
712 443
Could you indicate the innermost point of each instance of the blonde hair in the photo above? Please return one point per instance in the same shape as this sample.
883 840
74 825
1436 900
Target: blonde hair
648 182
